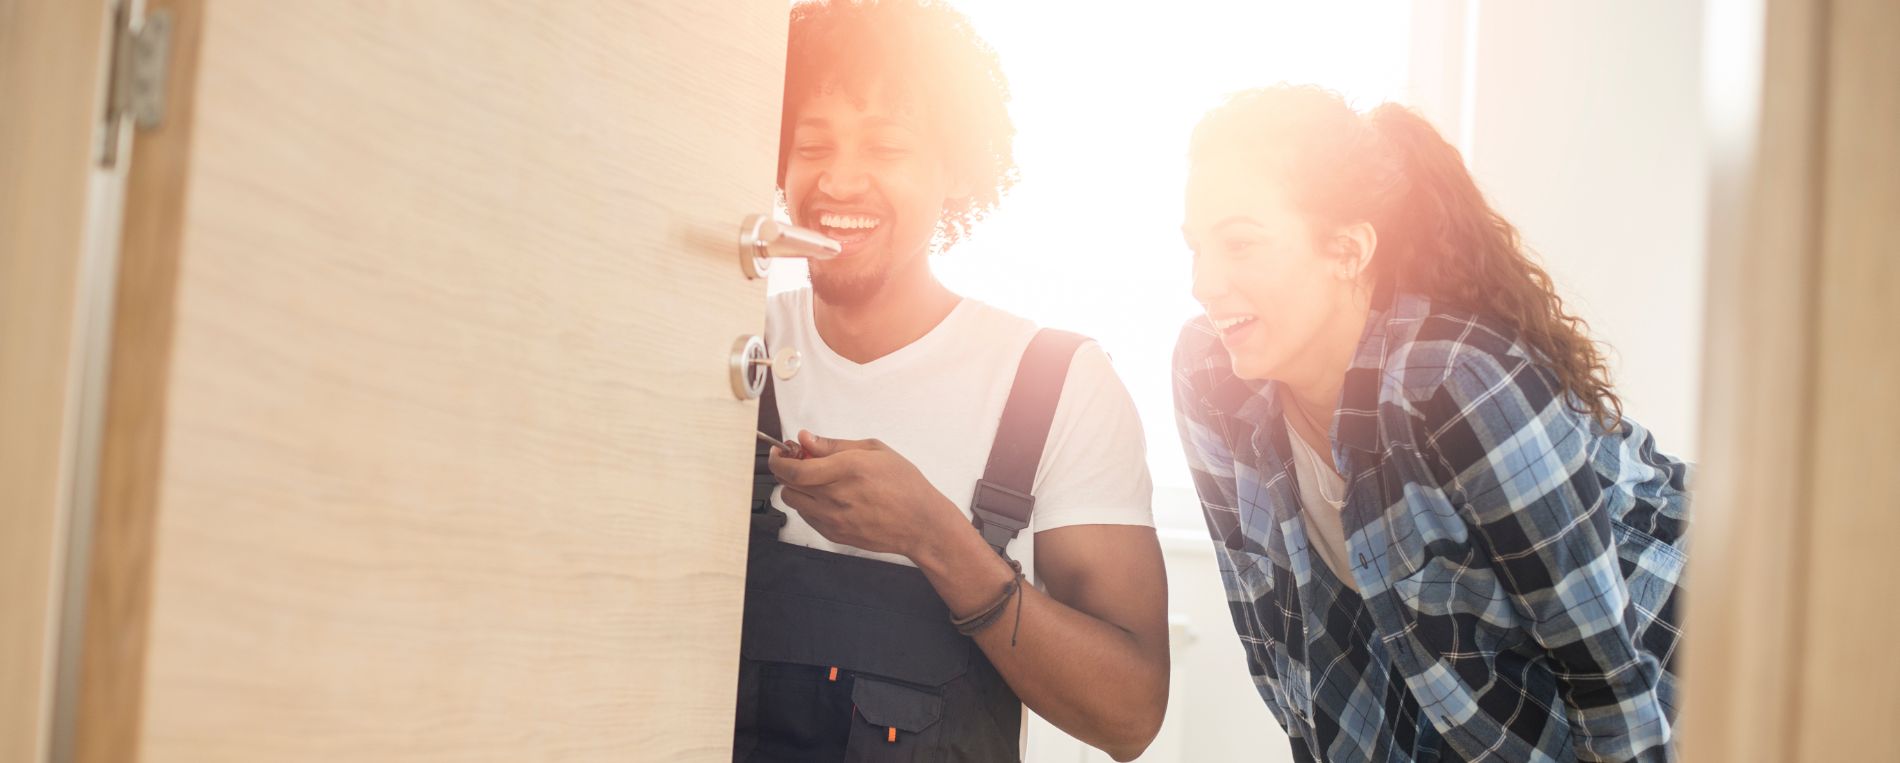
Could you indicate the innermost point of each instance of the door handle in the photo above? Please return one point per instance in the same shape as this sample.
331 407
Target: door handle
749 365
762 238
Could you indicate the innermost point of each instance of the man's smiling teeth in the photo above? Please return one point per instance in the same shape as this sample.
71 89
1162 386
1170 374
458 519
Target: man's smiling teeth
1223 324
847 222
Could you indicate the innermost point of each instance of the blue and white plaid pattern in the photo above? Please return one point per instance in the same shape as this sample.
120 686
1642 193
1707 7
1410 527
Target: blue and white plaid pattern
1520 566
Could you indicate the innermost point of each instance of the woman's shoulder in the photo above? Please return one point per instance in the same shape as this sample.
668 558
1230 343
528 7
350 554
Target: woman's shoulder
1429 345
1201 362
1198 342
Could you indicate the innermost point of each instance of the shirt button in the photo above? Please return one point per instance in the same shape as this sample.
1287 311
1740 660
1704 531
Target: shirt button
1362 560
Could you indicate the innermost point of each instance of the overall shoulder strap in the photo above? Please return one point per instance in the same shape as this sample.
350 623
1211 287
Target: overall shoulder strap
1003 503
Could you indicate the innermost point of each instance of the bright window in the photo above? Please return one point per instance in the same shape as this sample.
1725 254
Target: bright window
1105 95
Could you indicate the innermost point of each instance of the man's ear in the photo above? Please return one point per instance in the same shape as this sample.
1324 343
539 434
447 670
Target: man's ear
960 189
961 186
1355 245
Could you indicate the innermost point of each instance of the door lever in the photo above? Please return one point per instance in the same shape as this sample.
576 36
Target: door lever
762 238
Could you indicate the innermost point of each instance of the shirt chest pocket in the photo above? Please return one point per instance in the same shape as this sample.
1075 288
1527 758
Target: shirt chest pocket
1652 569
1456 598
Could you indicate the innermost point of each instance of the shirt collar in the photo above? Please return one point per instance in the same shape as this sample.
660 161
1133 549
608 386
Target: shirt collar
1356 423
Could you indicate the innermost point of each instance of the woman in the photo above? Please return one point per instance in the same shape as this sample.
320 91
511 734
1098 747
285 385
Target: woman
1440 537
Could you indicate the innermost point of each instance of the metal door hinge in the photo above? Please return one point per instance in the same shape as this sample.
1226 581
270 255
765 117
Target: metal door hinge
136 93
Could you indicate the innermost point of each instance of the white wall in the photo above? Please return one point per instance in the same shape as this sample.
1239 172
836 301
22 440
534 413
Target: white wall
1583 122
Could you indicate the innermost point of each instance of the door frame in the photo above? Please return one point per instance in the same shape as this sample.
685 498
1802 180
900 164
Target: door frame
55 283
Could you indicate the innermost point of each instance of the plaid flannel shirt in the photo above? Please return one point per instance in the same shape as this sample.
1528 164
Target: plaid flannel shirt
1518 566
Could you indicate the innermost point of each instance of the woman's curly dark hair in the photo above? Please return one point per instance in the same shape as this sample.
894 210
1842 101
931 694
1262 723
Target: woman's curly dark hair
1437 234
927 54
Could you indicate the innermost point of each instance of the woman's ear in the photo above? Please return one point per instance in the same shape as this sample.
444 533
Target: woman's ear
1355 245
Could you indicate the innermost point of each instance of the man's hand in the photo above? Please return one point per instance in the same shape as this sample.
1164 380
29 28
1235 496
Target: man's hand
1091 655
861 493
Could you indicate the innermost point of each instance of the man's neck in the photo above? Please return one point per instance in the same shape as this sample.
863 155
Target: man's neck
901 312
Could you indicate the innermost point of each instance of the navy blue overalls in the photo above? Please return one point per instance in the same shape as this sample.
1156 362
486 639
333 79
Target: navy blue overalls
847 658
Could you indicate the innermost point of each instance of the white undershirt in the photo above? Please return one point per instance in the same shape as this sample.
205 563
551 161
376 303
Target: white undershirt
1325 530
937 402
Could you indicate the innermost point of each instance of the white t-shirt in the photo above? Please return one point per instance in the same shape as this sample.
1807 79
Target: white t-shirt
938 400
1325 522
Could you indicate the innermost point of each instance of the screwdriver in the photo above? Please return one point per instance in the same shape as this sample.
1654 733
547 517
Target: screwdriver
791 448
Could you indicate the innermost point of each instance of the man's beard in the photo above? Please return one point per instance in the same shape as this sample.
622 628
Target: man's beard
848 290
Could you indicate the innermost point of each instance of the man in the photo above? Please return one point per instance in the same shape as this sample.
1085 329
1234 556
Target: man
885 618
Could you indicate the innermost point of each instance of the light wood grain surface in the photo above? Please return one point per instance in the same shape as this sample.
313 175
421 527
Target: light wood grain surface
1790 655
1747 562
50 61
447 465
1850 688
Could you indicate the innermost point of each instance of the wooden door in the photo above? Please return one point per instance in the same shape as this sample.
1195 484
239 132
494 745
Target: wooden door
1790 656
419 441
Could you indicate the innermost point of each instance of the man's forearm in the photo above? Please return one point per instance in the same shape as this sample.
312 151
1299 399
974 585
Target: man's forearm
1089 677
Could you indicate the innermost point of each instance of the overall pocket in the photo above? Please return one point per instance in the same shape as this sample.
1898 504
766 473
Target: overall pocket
893 722
859 655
